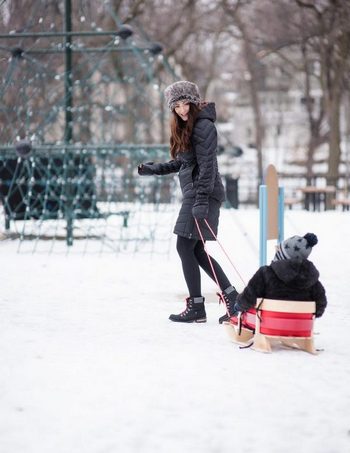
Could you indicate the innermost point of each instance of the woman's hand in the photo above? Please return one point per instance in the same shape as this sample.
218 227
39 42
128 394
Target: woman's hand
145 169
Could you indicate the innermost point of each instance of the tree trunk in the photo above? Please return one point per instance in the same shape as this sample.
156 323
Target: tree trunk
334 141
310 161
250 59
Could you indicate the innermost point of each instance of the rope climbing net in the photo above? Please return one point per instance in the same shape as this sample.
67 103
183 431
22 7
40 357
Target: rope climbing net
86 195
80 108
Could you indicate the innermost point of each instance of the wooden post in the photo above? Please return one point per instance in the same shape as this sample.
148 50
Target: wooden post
271 181
271 206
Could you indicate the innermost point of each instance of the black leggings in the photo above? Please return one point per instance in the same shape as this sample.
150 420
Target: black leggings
193 256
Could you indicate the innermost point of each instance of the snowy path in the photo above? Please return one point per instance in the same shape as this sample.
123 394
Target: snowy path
89 362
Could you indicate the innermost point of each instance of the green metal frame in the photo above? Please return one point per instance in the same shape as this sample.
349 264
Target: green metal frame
70 183
102 91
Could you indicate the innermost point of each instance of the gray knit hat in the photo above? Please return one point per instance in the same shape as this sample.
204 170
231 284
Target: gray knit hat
296 247
182 90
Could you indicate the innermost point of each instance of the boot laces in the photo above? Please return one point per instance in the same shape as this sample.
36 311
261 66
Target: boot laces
223 299
188 307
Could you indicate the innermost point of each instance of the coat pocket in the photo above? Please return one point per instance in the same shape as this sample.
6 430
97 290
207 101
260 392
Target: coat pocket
186 179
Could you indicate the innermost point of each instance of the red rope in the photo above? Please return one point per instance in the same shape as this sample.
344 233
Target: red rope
222 248
220 294
206 251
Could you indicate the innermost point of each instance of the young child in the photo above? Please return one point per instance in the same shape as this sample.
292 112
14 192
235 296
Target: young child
290 276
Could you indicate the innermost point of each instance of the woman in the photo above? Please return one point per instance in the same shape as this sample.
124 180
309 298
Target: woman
193 145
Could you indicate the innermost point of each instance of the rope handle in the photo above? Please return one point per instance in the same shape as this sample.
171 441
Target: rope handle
206 251
221 298
211 264
222 248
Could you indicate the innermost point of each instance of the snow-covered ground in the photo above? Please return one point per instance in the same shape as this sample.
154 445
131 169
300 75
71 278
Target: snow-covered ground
90 363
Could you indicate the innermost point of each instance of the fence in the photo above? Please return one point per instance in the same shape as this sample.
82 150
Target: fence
69 184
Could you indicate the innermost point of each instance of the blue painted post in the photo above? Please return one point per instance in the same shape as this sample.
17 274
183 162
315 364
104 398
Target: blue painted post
263 208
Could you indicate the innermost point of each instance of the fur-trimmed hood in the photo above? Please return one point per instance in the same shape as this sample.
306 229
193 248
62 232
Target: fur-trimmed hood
208 112
302 274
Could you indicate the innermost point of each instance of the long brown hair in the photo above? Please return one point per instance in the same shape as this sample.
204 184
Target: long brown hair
181 131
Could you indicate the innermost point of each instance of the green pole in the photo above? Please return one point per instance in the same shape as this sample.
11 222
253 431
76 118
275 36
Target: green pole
68 131
68 82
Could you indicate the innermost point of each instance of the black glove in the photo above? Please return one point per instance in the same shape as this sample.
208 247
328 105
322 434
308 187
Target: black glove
146 169
236 309
201 207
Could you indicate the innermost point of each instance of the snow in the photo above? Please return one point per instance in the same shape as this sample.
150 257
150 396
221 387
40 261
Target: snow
89 361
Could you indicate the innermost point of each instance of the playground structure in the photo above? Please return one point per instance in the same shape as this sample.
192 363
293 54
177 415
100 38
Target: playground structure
80 108
271 208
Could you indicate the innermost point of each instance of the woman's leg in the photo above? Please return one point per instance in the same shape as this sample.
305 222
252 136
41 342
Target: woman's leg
228 292
186 250
203 261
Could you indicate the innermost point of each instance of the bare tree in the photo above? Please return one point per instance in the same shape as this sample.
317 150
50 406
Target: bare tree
240 19
332 44
319 32
287 40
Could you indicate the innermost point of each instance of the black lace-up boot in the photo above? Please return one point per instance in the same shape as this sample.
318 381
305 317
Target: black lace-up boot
194 312
228 297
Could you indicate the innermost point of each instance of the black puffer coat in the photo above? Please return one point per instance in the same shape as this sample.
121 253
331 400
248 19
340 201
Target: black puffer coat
286 280
198 174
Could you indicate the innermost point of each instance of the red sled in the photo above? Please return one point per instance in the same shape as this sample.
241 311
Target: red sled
241 328
275 321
